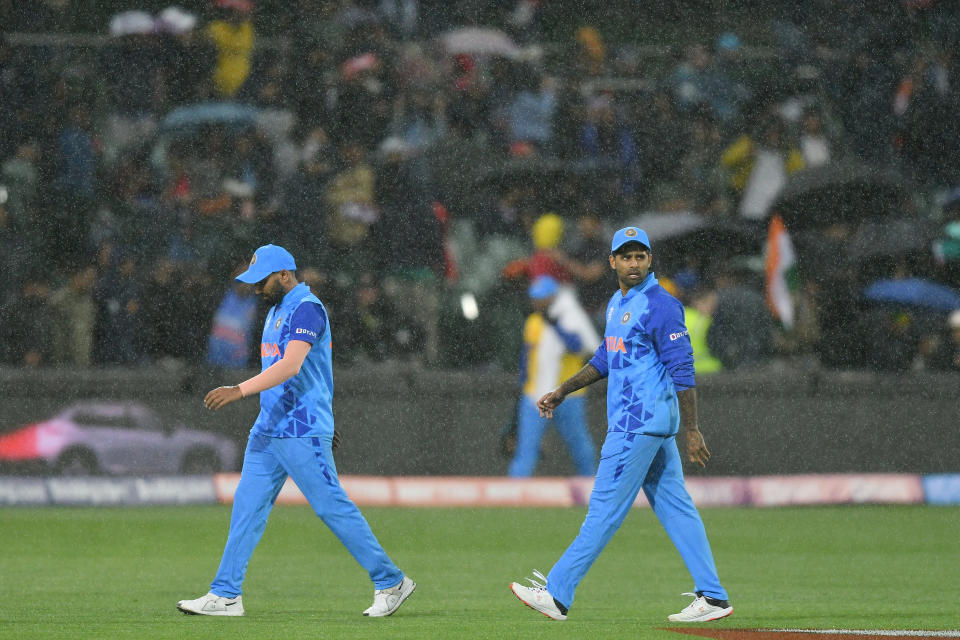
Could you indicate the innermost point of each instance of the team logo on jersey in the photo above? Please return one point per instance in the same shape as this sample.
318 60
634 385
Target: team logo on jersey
626 318
630 233
279 322
270 350
615 344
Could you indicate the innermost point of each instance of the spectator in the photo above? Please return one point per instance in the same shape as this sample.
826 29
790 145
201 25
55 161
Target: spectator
814 144
351 207
606 138
546 260
587 263
232 34
131 71
118 297
373 328
530 113
759 167
698 316
73 316
409 239
302 202
947 354
25 329
230 344
741 333
363 107
76 183
20 178
186 58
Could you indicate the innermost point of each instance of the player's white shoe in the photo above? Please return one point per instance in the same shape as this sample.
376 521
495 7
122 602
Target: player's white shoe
702 609
212 605
386 601
538 598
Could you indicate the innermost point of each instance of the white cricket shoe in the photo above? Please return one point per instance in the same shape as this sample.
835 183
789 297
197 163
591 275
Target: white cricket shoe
386 601
212 605
702 609
538 598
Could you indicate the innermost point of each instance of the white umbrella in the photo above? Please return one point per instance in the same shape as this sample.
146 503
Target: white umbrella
129 23
480 41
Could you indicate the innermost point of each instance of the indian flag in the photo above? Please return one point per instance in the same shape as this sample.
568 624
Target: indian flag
781 272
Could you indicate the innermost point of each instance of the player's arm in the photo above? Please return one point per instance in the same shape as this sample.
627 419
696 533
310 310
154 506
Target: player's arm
672 343
276 374
696 448
594 370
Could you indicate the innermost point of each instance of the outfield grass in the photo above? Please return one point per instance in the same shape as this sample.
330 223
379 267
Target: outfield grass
117 573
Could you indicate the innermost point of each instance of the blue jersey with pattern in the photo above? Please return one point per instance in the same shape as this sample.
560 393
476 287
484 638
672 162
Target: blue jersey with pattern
303 405
646 354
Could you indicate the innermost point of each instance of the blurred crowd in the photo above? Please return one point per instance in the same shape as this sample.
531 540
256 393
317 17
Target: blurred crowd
423 162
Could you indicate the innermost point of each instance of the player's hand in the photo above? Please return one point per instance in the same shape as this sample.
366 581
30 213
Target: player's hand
549 402
221 397
697 448
337 440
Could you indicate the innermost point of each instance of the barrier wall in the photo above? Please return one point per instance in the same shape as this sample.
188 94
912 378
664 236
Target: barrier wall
401 421
437 491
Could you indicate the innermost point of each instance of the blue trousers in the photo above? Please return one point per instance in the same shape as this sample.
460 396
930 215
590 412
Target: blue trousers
628 463
570 418
309 461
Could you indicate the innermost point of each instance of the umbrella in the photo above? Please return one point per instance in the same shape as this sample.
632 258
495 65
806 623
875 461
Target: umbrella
913 292
877 239
480 41
839 192
686 233
196 115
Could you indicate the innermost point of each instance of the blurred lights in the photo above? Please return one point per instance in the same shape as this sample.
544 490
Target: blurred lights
468 304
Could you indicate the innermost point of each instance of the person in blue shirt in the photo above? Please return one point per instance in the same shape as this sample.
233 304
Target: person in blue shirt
293 435
647 358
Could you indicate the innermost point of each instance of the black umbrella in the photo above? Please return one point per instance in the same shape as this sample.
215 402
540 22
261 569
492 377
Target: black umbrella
839 192
678 236
883 239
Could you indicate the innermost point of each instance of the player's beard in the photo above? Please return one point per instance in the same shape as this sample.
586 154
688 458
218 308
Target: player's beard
272 297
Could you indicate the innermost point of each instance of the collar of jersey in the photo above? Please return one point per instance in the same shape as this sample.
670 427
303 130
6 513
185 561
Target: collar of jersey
645 284
290 295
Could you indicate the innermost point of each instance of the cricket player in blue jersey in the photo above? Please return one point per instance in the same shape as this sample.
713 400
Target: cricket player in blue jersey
293 435
647 358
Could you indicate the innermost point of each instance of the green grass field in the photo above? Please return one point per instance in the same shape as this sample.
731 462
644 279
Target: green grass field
117 573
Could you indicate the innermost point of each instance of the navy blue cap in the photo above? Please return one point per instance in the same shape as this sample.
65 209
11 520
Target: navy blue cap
542 287
629 234
266 260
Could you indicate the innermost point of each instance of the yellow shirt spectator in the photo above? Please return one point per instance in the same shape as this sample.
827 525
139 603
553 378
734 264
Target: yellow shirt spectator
234 42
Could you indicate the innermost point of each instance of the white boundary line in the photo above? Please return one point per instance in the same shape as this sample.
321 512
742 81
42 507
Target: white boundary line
874 632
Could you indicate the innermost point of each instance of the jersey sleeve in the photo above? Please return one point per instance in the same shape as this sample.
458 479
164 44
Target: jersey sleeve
599 360
308 323
672 341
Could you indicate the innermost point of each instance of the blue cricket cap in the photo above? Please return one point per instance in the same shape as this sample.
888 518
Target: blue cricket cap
542 287
266 260
629 234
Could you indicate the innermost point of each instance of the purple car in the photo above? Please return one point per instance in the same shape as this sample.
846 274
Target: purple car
117 438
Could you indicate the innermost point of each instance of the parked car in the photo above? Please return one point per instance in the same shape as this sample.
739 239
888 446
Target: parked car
89 438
